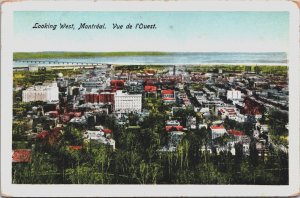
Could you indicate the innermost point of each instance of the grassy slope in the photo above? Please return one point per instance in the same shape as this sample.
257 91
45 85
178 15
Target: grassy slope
41 55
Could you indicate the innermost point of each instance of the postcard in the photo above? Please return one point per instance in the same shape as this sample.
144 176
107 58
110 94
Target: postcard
149 98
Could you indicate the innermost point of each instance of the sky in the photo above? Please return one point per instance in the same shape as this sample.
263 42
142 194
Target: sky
197 31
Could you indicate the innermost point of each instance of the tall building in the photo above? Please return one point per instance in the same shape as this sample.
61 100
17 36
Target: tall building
125 102
45 92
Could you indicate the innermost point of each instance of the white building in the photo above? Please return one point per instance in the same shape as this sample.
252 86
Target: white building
231 112
125 102
45 92
234 95
100 137
172 123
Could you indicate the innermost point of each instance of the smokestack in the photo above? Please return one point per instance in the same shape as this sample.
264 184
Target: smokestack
174 70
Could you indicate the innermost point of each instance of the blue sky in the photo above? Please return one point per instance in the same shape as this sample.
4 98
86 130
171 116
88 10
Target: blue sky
176 31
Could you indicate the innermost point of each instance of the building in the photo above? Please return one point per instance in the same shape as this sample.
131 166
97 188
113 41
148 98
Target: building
191 122
106 97
175 134
45 92
231 112
237 135
174 128
117 84
150 89
125 102
100 136
217 131
168 95
172 123
103 97
234 95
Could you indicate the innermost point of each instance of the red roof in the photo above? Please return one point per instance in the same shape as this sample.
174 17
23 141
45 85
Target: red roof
236 132
21 155
107 131
174 128
117 82
42 135
150 88
75 147
167 91
217 127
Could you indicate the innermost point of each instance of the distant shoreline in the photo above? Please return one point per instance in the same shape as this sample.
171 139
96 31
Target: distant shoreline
165 64
45 55
152 58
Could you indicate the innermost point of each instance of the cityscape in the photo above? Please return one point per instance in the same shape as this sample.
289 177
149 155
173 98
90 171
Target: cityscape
100 123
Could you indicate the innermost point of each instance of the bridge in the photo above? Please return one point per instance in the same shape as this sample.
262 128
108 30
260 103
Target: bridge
53 62
33 65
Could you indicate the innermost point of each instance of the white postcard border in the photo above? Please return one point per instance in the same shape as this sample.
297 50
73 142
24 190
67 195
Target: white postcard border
9 189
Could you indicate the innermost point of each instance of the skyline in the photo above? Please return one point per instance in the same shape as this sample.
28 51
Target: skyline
203 31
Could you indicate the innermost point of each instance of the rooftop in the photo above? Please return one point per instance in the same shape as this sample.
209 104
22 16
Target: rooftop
21 155
167 91
215 127
174 128
236 132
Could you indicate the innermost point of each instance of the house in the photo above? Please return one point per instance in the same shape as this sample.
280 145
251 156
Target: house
100 136
232 113
168 96
150 89
175 134
172 123
262 148
217 131
174 128
226 148
191 122
237 135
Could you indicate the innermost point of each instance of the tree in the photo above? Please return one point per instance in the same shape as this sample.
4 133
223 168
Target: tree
253 153
238 153
73 136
